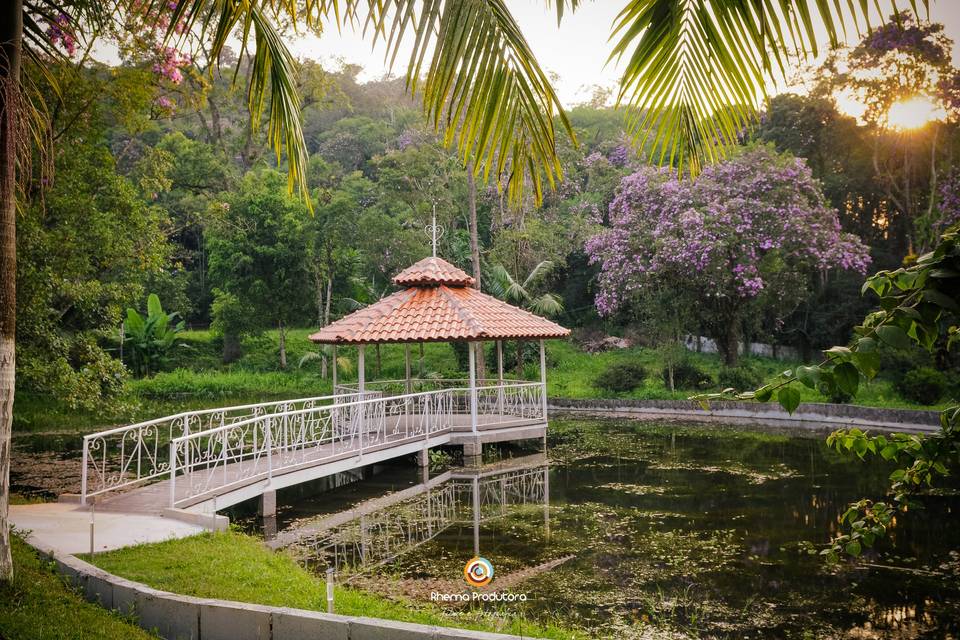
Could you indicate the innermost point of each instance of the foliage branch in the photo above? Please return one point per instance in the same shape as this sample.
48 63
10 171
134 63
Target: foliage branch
918 306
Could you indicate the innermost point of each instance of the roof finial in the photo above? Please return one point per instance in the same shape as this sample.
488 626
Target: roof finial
435 230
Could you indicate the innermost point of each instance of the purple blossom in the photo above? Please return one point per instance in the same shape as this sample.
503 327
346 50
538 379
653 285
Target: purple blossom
905 35
741 228
61 33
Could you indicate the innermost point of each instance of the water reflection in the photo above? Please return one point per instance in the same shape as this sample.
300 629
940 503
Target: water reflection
690 531
380 530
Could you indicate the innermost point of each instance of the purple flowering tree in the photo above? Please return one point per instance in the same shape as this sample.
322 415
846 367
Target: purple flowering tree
743 239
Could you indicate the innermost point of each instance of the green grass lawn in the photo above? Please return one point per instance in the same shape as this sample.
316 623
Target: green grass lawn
198 379
234 566
39 606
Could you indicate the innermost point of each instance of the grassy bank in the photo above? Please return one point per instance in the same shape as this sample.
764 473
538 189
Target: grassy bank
198 379
39 606
234 566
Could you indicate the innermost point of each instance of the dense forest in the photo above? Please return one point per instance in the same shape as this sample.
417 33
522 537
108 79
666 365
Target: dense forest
158 184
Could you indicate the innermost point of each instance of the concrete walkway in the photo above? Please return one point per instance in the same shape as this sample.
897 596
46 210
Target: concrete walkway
64 528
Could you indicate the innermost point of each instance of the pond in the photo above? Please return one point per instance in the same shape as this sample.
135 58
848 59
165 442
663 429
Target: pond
641 530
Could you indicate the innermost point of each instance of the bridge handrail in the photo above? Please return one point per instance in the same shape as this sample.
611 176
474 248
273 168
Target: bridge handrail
137 432
264 445
344 405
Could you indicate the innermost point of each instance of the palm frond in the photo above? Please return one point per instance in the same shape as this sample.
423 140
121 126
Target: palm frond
480 83
696 70
502 285
538 271
273 69
549 304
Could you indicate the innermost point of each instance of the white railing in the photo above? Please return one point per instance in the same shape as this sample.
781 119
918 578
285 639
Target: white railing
207 450
510 402
236 454
126 456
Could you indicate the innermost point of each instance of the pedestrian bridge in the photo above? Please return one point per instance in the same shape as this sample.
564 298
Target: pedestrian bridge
207 460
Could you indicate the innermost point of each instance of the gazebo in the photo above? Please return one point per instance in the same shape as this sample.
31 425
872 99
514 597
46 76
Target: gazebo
437 303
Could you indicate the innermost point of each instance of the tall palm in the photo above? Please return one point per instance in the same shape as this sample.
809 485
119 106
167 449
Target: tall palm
695 71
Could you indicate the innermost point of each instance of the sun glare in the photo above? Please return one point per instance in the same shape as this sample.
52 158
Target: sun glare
913 113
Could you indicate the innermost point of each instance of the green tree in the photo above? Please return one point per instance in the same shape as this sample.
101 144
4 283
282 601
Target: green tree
258 252
86 251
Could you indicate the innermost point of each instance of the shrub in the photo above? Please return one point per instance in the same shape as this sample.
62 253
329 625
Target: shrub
687 375
620 377
923 385
743 377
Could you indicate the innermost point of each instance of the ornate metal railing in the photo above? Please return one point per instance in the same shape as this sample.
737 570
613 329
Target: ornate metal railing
126 456
247 450
214 448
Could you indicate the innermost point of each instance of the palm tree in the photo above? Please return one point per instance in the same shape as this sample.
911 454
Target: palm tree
695 72
504 286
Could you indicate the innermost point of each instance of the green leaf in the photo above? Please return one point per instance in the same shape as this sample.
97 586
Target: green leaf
853 548
764 394
809 376
894 336
789 399
868 363
153 305
889 452
847 377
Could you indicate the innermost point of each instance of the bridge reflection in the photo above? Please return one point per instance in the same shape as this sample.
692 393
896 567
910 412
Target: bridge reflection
379 530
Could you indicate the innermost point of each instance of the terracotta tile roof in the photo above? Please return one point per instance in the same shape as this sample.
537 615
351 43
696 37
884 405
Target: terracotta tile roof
438 313
432 271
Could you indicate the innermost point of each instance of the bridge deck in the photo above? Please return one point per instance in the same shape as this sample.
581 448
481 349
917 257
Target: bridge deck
236 481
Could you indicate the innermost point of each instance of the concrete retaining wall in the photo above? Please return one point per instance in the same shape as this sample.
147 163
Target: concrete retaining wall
809 415
176 617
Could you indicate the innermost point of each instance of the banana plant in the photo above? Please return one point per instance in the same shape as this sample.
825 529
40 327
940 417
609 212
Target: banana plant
150 338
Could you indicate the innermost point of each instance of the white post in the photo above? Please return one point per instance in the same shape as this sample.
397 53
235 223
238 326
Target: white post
500 391
406 366
329 589
361 387
543 379
93 512
173 474
83 471
361 372
334 369
473 386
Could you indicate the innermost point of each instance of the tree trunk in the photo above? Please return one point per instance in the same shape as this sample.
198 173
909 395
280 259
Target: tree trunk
283 345
475 254
731 344
11 30
231 348
376 363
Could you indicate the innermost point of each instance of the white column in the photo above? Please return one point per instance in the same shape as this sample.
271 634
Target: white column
500 392
543 378
361 373
334 369
406 365
473 386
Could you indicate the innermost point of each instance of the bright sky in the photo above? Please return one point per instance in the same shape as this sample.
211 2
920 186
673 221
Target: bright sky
576 52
